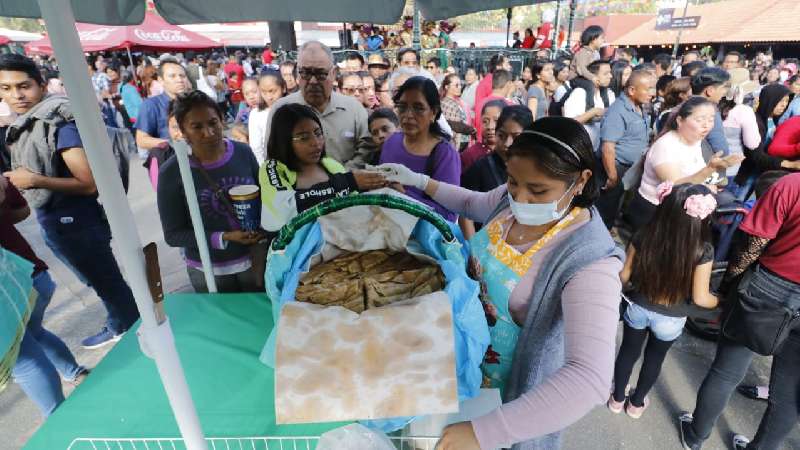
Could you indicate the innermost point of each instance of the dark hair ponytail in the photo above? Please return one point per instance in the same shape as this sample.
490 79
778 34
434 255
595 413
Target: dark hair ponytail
670 284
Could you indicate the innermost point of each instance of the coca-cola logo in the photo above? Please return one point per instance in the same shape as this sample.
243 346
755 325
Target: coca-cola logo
98 34
161 36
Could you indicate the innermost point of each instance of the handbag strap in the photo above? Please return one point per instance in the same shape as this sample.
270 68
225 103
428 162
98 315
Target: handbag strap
219 193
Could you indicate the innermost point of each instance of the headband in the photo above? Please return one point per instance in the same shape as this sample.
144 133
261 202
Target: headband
560 143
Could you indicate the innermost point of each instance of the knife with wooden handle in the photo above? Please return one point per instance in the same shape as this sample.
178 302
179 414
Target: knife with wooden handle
153 271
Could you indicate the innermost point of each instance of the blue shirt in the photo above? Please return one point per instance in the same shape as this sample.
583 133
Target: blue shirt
62 205
716 138
791 111
627 128
153 117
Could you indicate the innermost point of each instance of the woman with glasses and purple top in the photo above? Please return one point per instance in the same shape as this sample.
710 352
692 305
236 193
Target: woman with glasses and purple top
422 145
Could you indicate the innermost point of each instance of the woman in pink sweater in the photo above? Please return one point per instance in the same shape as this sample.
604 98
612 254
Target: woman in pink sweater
549 275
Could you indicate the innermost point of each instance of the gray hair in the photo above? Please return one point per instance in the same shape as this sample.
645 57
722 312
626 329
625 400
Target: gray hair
409 72
319 44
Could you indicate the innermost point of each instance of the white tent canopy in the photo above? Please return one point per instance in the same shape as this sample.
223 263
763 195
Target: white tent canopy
19 36
131 12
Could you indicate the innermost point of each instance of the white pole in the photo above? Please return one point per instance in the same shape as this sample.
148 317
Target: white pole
60 22
182 153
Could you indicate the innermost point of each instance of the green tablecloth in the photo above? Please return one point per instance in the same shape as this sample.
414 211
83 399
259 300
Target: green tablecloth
219 338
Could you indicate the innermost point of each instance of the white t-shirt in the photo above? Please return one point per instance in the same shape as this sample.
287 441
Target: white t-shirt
575 105
257 131
669 148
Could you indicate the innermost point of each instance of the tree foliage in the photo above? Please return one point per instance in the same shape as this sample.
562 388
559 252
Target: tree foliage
14 23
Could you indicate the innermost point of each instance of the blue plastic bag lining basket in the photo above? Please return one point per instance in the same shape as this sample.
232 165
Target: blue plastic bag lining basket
302 238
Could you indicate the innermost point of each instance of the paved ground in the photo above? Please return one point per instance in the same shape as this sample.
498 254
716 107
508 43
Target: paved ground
76 312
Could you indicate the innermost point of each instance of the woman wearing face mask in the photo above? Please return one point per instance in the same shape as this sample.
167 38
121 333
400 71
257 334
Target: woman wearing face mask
677 156
550 270
489 172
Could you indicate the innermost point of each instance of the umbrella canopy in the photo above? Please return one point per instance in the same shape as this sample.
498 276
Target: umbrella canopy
153 34
131 12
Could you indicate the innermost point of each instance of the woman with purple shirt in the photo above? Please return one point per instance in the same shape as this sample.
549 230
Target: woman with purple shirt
422 146
217 165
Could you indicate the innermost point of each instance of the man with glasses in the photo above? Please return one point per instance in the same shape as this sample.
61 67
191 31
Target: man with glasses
343 118
434 66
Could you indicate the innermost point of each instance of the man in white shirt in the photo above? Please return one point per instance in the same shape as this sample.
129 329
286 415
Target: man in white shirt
590 111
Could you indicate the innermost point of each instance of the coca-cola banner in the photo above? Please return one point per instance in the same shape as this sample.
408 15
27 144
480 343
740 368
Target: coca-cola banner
154 34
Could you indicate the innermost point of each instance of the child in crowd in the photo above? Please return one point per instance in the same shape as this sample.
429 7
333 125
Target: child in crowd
252 100
271 88
382 123
664 273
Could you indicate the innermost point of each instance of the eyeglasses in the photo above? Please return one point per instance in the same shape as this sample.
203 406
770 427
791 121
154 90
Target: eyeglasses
307 137
319 74
353 90
418 110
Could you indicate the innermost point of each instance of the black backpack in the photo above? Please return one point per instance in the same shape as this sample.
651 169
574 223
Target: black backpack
557 108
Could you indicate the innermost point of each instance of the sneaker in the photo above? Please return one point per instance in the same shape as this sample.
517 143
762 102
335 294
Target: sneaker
754 392
635 412
740 442
615 406
685 421
104 337
82 374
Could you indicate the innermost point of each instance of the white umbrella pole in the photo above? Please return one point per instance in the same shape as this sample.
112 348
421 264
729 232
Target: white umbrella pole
60 21
182 153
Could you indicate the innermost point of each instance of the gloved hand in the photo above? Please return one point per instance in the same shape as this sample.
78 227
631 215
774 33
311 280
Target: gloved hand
398 173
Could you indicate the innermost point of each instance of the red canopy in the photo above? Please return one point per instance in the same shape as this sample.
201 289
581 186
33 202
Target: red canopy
152 34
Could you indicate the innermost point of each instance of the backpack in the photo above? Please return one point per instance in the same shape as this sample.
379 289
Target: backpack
123 145
586 85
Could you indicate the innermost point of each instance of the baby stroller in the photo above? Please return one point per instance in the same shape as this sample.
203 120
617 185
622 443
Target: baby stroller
706 323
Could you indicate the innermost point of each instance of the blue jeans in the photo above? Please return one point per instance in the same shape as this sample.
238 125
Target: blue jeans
43 355
732 360
664 328
84 245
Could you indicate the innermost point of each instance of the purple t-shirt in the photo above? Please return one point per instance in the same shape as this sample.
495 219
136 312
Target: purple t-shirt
446 168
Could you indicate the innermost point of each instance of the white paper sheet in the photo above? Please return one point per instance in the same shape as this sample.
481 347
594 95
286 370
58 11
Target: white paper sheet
336 365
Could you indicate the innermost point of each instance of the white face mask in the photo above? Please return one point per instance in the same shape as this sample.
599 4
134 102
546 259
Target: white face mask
538 213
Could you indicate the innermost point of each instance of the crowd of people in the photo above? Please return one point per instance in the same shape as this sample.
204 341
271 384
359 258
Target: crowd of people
538 170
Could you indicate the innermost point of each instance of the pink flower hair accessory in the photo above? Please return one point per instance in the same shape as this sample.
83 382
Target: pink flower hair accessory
663 190
700 206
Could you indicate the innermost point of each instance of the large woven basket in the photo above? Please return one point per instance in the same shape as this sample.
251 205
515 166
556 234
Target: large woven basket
17 298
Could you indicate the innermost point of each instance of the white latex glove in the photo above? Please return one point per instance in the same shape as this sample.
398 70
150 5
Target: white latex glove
398 173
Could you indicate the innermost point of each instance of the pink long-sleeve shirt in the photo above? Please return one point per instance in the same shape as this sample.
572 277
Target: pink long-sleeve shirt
590 302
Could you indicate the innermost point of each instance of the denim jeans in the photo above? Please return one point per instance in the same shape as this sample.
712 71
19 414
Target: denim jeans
609 202
731 363
664 328
43 355
84 245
